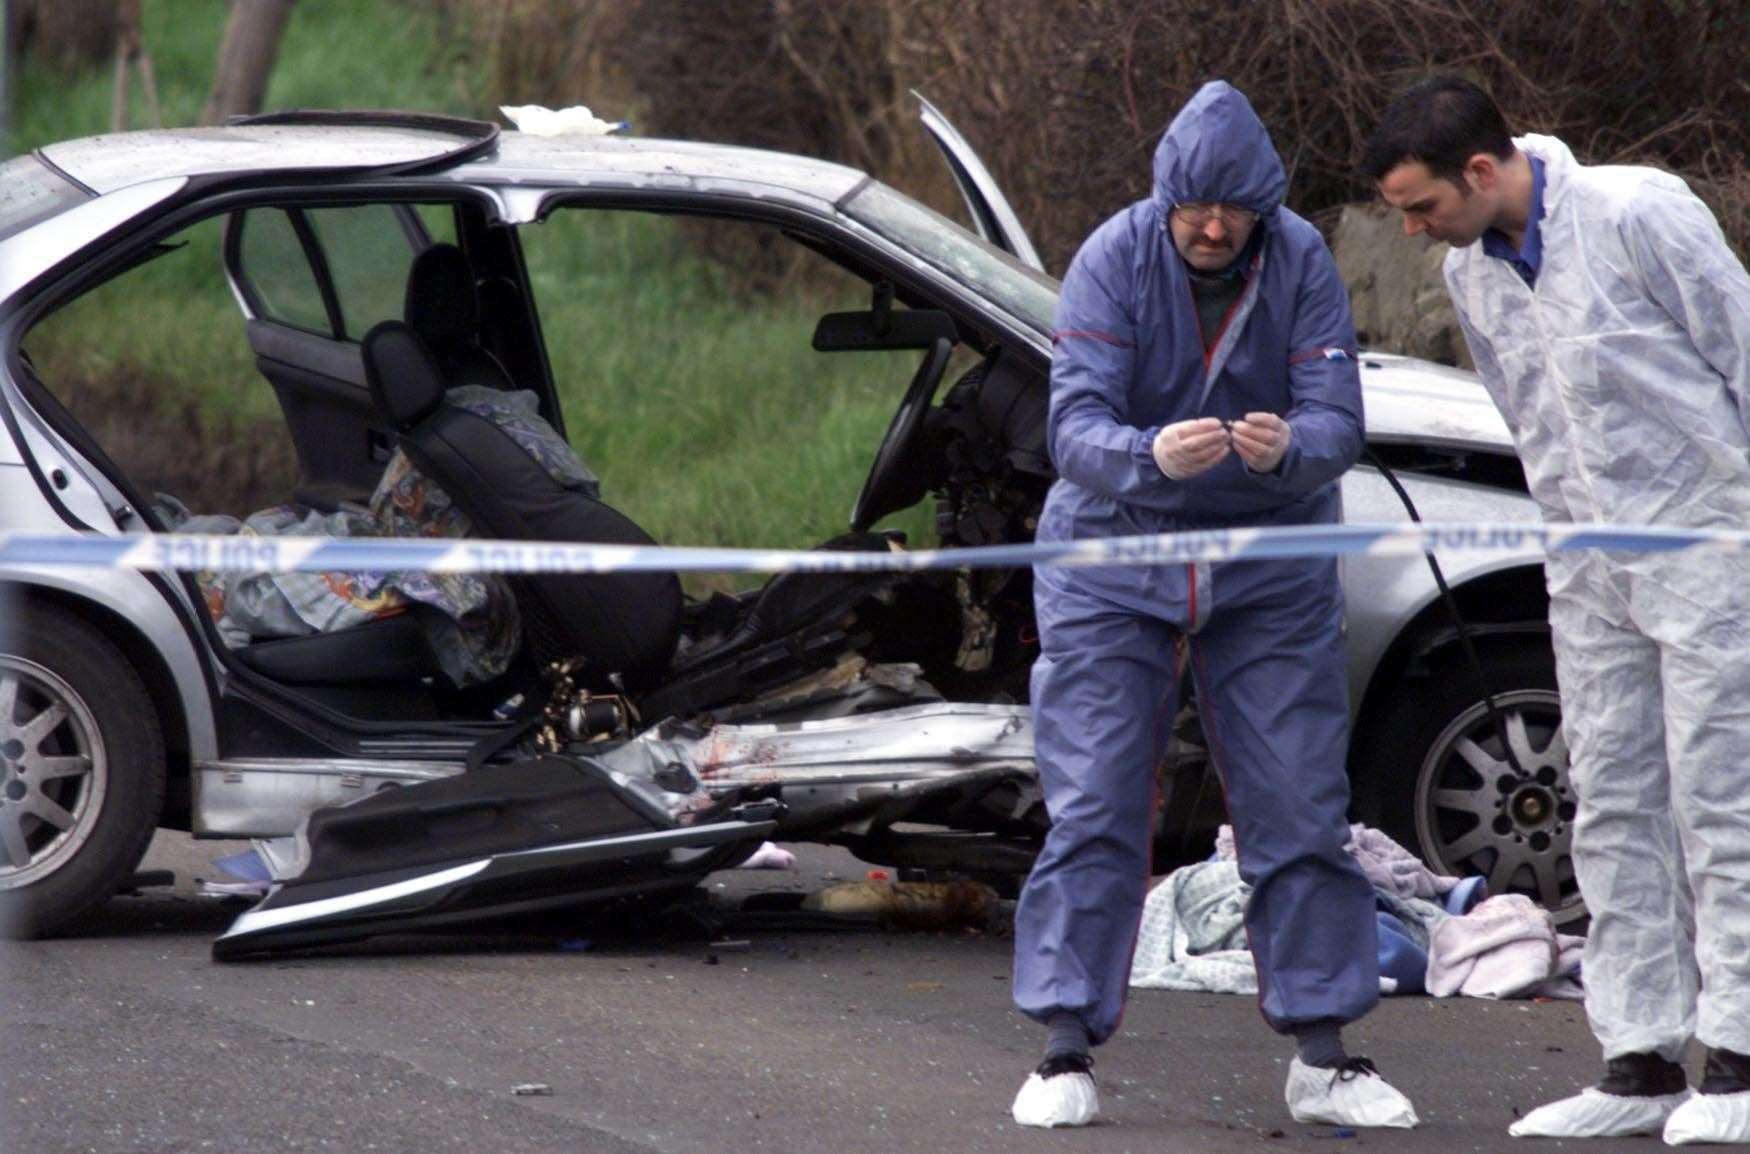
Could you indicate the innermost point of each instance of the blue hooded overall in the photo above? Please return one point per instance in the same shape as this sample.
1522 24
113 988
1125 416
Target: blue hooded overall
1263 638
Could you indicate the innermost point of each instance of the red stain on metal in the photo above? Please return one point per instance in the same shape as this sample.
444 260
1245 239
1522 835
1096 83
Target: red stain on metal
718 757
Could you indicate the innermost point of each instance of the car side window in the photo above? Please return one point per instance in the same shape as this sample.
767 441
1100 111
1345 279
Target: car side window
276 272
368 250
333 271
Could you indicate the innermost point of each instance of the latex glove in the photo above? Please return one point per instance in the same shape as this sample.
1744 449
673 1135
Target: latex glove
1261 439
1187 448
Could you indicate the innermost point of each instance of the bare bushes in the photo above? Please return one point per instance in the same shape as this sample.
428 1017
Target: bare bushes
1067 98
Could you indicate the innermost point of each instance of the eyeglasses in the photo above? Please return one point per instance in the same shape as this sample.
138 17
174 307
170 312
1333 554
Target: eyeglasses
1199 213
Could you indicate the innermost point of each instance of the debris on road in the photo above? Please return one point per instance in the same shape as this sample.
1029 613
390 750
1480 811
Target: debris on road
769 857
911 905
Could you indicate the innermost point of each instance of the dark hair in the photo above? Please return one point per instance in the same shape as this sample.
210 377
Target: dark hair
1442 122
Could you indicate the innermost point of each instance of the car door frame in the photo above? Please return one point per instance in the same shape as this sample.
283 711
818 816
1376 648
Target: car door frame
992 216
240 701
318 377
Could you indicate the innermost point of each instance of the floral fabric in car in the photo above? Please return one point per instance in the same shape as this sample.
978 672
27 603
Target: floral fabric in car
475 629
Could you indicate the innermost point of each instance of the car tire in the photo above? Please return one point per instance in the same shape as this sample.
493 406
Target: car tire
1431 764
82 769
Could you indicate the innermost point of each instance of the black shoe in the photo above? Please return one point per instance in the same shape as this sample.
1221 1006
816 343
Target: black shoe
1056 1064
1642 1076
1351 1068
1727 1072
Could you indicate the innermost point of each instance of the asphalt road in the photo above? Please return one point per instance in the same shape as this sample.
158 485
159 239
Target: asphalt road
128 1038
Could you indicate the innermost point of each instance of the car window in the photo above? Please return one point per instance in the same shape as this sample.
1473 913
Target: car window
154 366
368 250
277 273
439 221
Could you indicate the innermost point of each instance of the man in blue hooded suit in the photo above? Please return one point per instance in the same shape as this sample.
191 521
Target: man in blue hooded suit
1204 377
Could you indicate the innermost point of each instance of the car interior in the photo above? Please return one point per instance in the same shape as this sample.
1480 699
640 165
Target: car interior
464 314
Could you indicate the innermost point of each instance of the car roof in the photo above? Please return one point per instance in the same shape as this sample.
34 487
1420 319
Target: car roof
117 160
114 161
524 158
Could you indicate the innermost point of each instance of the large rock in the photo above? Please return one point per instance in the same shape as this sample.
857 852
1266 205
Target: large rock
1395 286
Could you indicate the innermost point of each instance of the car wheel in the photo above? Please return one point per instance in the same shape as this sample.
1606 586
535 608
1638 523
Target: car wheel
82 769
1446 789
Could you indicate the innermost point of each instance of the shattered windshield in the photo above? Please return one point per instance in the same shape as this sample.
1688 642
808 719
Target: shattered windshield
1029 295
31 192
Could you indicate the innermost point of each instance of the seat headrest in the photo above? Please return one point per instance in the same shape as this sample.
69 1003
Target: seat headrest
443 304
406 385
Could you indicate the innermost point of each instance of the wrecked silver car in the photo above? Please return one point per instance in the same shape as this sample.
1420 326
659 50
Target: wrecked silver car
639 738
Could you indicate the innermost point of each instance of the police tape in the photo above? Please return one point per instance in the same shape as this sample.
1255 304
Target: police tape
189 553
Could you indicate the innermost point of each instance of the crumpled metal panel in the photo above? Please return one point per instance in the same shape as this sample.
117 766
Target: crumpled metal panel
938 740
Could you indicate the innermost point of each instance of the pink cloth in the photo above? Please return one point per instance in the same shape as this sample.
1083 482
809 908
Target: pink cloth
1507 947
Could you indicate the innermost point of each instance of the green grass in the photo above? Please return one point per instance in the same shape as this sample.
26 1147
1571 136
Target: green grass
708 415
335 54
701 406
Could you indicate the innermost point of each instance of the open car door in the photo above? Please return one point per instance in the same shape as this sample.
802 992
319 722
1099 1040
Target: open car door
995 220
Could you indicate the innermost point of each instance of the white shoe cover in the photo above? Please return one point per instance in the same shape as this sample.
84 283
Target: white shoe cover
1710 1118
1594 1114
1060 1100
1316 1094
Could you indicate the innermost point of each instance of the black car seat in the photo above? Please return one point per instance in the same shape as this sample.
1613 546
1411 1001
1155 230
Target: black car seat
624 626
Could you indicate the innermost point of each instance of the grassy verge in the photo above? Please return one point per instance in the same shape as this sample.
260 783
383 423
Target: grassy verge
705 412
708 415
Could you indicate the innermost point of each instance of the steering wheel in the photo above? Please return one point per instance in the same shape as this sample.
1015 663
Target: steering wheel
895 482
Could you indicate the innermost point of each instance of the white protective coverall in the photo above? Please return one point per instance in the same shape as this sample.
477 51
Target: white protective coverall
1625 378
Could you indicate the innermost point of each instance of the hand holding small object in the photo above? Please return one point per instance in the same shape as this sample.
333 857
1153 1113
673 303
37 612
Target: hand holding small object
1261 440
1187 448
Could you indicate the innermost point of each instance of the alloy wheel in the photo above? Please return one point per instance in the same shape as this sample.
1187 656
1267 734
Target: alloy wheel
53 772
1476 815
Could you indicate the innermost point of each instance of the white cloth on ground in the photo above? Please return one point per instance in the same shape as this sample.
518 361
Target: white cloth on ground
1507 947
1193 933
1388 865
